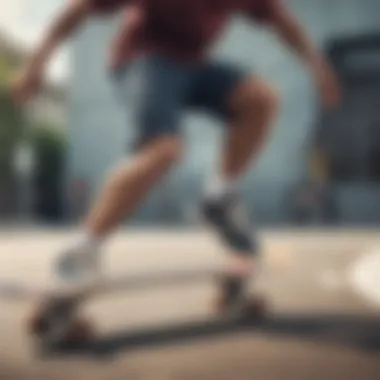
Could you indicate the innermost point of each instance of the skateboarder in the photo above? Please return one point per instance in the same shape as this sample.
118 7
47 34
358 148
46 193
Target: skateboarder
165 42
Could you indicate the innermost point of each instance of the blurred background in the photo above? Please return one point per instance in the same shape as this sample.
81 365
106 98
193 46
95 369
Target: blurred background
317 169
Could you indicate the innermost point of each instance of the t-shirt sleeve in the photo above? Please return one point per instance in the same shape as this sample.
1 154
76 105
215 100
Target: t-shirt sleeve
263 10
108 6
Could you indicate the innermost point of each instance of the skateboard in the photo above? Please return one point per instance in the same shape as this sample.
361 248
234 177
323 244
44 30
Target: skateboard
57 317
58 320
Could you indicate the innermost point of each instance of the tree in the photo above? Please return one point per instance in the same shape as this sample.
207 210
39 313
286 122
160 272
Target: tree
49 146
47 140
10 121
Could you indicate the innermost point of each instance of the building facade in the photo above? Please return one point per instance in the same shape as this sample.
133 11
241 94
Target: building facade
99 128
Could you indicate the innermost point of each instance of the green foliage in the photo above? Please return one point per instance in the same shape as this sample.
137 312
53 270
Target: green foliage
48 143
49 146
10 131
6 72
10 120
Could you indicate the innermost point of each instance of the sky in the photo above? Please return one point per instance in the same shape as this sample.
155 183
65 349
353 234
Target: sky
25 21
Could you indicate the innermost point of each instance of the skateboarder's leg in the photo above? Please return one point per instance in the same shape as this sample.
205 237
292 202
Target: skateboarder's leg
157 111
129 183
250 105
255 105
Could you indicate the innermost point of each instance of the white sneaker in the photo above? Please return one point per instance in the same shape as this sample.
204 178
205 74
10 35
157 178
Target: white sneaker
78 265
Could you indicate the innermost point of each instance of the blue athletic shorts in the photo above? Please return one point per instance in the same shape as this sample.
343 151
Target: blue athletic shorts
157 90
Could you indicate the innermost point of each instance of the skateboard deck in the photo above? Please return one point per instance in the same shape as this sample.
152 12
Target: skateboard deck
57 315
58 308
14 290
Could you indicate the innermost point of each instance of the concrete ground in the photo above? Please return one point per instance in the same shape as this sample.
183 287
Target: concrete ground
324 290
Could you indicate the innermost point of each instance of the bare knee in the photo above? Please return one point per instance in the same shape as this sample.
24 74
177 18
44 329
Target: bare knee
267 98
255 96
168 150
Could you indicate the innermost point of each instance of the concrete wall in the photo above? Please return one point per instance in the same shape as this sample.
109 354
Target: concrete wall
100 130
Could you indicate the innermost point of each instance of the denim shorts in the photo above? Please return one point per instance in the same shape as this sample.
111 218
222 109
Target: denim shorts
158 91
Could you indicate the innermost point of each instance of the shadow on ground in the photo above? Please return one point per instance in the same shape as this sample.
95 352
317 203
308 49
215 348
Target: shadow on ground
361 333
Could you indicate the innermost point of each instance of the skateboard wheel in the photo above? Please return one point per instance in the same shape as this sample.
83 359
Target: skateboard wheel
42 324
77 334
38 324
255 308
80 331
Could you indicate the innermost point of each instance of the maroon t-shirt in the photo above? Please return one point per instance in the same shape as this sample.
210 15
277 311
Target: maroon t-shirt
183 29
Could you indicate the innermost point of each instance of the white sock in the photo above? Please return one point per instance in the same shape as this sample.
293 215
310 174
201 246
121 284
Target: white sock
85 241
219 187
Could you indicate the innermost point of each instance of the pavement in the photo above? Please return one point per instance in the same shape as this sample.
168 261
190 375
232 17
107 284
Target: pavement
323 288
